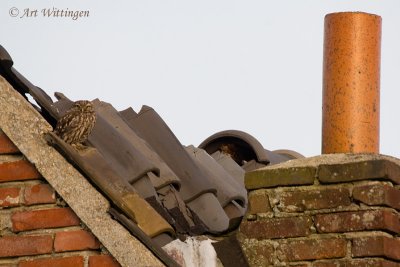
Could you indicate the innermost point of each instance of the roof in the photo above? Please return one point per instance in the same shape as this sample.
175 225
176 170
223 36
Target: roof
25 127
159 189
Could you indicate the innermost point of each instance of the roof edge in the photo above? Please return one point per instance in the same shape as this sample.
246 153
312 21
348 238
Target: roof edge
26 128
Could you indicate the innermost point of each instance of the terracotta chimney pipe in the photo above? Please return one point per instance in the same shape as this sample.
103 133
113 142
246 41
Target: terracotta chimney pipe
351 81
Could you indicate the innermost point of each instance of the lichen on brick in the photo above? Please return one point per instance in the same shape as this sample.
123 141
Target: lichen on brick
9 200
258 253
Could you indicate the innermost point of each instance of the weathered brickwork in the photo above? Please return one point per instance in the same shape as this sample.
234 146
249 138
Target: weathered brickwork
277 227
36 226
348 215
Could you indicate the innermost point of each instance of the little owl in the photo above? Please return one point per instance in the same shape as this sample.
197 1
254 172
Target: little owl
77 123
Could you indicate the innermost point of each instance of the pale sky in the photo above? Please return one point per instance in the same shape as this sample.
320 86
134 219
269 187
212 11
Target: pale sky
204 66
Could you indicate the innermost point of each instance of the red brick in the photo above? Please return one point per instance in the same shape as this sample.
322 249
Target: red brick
40 219
378 194
39 194
259 253
75 240
258 203
358 221
9 197
75 261
376 246
103 261
314 199
312 249
277 227
357 263
11 246
6 145
18 170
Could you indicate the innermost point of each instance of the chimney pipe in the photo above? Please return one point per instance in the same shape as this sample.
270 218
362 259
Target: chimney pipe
351 83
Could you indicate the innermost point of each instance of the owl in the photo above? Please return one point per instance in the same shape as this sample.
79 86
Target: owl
77 123
232 151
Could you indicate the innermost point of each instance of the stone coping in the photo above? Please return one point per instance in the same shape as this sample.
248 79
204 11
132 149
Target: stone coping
328 168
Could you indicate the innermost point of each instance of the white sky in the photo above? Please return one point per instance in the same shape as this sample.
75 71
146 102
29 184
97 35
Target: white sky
204 66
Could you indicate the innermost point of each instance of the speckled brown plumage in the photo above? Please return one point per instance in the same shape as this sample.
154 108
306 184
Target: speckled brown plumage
232 151
77 123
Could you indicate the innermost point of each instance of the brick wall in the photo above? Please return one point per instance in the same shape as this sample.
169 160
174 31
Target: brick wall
37 228
339 215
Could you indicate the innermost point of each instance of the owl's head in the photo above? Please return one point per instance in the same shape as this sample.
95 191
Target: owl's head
83 106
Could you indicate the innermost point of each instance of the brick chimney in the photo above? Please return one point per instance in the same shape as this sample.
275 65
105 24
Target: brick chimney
335 209
351 81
